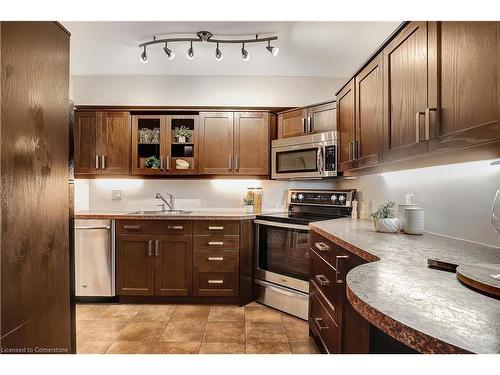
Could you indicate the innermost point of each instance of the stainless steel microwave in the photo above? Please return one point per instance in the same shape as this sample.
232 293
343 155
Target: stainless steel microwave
310 156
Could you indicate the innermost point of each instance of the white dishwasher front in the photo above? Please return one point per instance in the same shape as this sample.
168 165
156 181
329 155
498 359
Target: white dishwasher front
94 258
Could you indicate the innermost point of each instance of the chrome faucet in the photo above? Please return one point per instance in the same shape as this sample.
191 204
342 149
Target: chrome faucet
170 202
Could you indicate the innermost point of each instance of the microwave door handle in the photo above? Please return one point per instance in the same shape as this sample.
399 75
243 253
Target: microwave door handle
320 159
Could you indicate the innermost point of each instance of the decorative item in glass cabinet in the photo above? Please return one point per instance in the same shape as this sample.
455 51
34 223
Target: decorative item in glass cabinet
385 219
145 135
182 133
155 135
152 162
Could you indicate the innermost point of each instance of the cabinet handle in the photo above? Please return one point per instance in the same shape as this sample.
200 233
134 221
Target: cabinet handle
428 122
350 151
215 258
131 227
168 163
215 228
321 246
162 165
322 280
237 162
150 248
309 125
319 323
97 162
157 248
304 125
103 161
230 163
215 243
216 281
176 227
417 126
337 272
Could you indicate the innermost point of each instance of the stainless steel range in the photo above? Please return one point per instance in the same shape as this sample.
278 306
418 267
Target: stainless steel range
282 249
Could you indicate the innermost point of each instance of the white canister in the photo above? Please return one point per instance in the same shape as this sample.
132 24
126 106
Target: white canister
401 212
414 221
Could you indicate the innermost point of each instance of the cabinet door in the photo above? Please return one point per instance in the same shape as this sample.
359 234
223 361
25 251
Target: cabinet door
149 153
369 115
182 157
405 88
322 118
216 143
114 140
173 265
86 154
134 265
468 84
251 143
345 126
292 124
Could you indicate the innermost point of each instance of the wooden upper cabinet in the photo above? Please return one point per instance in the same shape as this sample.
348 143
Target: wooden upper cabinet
173 265
292 123
346 126
114 142
149 138
405 93
87 157
322 118
467 56
251 143
369 114
135 265
216 143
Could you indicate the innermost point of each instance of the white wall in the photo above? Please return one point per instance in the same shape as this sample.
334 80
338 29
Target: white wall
457 198
203 90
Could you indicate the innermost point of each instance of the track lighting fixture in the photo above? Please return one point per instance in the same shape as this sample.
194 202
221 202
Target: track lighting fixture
169 52
144 56
208 37
244 53
218 53
190 52
272 50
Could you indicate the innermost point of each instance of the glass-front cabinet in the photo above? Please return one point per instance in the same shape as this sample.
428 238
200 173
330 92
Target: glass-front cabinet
164 144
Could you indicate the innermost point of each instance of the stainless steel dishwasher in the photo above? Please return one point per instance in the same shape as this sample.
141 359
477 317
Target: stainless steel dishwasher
94 258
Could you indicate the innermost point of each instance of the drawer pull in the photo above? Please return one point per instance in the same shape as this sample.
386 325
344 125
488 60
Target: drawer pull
321 246
215 258
215 228
150 248
337 272
322 280
132 227
176 227
215 243
216 281
319 323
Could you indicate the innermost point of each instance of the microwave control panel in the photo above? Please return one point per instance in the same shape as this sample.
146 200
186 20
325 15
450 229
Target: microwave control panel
330 156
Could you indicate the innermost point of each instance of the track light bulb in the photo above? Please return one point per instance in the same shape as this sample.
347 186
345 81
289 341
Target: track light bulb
169 52
190 52
218 53
144 56
272 50
244 53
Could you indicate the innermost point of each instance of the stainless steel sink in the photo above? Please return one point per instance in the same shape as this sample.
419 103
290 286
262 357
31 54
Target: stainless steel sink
167 212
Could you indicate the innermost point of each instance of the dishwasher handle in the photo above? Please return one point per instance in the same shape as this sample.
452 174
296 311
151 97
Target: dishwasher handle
107 227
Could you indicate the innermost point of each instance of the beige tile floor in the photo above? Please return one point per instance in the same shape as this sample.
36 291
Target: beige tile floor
189 329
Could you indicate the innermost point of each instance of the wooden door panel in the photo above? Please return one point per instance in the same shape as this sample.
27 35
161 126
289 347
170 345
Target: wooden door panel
251 143
173 265
346 125
291 124
369 115
323 118
85 138
216 143
134 266
114 142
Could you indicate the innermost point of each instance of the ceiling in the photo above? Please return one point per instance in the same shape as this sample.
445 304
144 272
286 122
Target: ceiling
325 49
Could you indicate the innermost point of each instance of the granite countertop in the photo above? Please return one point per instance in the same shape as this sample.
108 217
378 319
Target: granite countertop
195 215
425 308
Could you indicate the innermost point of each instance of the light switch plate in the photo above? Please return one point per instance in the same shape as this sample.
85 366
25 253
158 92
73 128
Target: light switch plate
116 195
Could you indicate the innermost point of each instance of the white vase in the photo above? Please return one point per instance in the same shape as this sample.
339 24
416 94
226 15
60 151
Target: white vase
387 225
249 209
414 221
181 139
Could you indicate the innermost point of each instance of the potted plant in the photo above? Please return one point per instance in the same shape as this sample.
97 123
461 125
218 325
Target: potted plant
152 162
385 219
248 203
182 134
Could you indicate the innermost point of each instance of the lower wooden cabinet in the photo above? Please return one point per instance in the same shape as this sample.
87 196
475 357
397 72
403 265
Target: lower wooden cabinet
173 270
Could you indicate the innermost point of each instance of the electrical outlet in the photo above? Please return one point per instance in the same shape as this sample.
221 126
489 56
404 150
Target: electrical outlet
116 195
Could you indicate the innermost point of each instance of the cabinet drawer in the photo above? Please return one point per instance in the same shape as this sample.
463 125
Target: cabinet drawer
216 242
216 258
154 227
216 227
216 283
322 323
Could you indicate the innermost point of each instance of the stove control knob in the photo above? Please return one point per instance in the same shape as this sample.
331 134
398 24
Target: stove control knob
334 198
341 198
294 196
301 196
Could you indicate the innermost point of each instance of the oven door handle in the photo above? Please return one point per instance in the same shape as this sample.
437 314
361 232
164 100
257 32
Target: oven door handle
281 225
280 289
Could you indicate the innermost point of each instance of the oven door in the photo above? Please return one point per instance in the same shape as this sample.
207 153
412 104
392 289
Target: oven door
282 254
